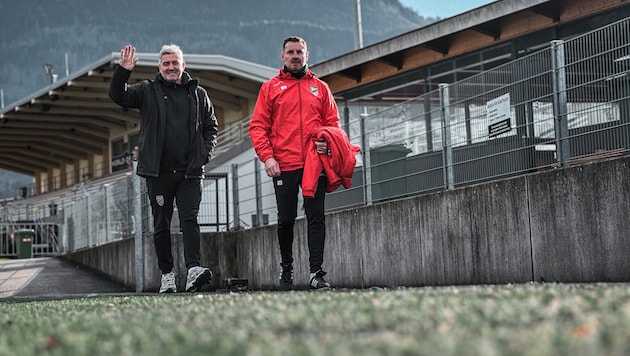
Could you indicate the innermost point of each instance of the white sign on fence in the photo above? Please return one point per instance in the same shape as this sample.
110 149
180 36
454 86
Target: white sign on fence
498 114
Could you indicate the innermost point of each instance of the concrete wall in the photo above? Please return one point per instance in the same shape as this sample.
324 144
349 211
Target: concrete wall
564 225
580 222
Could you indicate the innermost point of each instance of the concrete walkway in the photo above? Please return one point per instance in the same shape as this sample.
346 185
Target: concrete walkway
51 277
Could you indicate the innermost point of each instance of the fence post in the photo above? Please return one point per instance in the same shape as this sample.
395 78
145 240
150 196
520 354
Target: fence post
88 223
561 122
235 198
427 120
241 130
108 212
447 148
367 165
137 213
259 214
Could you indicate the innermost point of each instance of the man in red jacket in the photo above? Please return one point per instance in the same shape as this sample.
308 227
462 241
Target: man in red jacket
291 106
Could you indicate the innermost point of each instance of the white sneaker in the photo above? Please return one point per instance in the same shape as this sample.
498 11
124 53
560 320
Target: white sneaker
168 283
197 278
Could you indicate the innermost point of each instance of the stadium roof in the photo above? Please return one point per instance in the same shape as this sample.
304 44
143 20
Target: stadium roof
74 117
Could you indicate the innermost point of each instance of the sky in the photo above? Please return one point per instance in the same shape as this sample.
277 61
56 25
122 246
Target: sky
443 9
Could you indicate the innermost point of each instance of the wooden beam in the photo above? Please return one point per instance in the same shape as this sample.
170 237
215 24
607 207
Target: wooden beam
82 83
48 145
35 151
81 93
11 160
120 115
439 45
38 156
353 73
79 104
491 29
75 142
18 168
394 60
69 127
41 117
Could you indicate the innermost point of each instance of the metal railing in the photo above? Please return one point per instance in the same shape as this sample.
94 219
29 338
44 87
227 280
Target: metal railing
566 104
45 242
232 135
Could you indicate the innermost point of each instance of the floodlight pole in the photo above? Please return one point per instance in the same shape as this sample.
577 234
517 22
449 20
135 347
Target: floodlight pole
359 35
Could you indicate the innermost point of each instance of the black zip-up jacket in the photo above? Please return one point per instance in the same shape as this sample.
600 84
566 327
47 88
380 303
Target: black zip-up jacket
147 96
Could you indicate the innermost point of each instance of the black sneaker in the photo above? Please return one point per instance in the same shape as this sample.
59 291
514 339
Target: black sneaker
318 282
286 277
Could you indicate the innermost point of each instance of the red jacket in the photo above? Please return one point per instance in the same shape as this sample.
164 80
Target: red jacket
338 164
287 112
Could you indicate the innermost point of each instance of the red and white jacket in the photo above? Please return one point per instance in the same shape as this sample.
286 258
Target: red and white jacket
287 112
338 163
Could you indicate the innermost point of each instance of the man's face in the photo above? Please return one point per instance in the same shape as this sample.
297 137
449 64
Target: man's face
294 56
171 68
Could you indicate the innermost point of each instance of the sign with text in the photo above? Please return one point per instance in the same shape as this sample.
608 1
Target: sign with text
121 161
498 114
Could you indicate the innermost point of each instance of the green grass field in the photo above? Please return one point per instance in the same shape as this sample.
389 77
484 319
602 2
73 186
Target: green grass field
527 319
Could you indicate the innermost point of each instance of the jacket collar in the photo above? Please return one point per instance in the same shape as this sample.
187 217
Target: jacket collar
287 75
186 79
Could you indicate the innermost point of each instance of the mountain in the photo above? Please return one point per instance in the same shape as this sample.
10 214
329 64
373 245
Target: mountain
10 184
84 31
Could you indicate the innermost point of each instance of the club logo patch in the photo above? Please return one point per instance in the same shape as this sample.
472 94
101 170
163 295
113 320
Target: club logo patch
314 90
159 199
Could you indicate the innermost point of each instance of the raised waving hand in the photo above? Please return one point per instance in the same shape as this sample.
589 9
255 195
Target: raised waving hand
127 57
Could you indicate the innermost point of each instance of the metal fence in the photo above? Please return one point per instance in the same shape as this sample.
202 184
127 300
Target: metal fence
568 103
97 213
45 238
100 214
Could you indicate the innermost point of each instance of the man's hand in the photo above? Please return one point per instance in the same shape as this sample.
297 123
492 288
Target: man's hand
127 57
321 146
272 168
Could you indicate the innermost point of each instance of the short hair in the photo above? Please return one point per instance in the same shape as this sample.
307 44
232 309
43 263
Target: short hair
172 49
294 39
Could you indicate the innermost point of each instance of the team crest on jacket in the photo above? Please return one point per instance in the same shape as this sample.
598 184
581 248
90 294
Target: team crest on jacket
314 90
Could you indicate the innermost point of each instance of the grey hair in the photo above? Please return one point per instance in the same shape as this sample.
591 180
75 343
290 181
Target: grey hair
172 49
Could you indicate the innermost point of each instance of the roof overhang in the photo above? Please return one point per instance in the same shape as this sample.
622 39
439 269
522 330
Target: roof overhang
481 19
73 118
483 27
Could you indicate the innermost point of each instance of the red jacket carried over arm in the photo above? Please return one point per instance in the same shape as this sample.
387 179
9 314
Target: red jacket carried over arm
338 164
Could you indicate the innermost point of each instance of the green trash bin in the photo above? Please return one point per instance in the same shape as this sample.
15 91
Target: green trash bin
24 242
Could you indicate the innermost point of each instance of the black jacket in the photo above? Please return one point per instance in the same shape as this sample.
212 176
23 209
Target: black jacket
146 96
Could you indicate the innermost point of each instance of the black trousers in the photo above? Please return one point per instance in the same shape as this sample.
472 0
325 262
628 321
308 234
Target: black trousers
287 188
162 191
